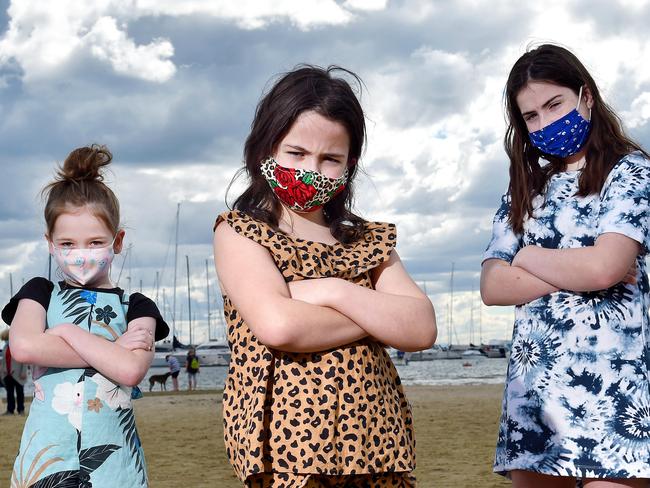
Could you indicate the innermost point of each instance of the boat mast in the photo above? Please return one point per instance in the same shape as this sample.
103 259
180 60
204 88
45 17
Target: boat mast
471 316
480 319
189 297
157 288
178 211
207 291
451 304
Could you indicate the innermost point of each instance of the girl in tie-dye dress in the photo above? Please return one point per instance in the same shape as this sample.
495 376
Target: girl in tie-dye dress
568 249
89 342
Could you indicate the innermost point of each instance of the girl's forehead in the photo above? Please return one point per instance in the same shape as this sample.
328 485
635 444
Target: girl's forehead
80 221
536 93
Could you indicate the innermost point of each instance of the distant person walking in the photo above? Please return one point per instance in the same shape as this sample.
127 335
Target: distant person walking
14 375
174 369
192 366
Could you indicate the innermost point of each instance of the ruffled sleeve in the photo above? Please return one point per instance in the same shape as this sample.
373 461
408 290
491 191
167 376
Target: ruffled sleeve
302 259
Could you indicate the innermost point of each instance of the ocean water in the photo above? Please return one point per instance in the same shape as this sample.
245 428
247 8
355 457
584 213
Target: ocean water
438 372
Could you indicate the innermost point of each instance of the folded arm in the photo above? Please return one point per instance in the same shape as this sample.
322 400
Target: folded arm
123 366
396 312
591 268
250 278
503 284
31 345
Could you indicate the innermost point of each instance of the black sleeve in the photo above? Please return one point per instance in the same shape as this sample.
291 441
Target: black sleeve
141 306
37 289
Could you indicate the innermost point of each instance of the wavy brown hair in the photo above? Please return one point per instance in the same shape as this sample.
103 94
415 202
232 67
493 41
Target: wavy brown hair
306 88
80 182
606 145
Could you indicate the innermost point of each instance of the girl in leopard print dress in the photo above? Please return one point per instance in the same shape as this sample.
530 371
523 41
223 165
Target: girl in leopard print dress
312 295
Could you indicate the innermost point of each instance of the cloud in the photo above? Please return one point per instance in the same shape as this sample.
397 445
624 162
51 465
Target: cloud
43 37
172 86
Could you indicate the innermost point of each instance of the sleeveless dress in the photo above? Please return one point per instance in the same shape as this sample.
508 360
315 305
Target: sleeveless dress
336 412
577 394
81 430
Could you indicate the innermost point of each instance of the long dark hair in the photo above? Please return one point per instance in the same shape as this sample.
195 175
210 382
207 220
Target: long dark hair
607 142
306 88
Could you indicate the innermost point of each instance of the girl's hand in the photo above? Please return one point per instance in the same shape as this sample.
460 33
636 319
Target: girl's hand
136 337
62 330
521 256
314 291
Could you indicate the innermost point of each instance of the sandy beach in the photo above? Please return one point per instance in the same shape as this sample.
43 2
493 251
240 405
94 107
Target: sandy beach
456 428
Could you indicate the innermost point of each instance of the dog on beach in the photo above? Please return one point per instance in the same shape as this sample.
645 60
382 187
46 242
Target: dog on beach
159 378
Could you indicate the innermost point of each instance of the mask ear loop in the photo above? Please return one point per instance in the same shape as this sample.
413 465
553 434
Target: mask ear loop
580 99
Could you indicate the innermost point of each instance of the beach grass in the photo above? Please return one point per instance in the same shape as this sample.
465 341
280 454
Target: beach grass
455 426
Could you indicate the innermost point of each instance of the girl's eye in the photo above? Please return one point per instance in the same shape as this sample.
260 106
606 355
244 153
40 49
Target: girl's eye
530 117
555 104
295 153
65 244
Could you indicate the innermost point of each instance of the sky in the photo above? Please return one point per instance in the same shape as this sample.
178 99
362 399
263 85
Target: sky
171 88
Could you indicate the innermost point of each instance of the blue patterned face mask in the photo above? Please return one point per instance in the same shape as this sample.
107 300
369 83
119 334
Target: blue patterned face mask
565 136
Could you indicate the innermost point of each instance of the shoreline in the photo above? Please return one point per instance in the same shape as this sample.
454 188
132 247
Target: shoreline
182 435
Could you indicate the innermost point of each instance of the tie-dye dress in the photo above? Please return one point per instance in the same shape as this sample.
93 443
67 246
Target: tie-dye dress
577 393
81 430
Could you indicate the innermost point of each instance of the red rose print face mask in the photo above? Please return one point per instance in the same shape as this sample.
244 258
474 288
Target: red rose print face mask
301 190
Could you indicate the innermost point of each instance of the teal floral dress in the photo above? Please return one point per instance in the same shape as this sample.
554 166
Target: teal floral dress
81 430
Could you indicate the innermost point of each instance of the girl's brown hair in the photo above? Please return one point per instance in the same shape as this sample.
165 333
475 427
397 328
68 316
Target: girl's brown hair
79 182
607 142
306 88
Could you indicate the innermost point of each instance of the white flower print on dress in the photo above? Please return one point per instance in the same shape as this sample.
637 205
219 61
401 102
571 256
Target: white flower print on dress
68 400
113 395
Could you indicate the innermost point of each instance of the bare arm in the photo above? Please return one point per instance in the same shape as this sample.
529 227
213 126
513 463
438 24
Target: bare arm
257 289
596 267
123 366
30 345
396 312
502 284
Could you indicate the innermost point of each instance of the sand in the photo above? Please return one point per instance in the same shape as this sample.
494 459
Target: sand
455 426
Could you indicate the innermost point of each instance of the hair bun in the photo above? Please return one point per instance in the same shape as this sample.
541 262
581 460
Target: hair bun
85 163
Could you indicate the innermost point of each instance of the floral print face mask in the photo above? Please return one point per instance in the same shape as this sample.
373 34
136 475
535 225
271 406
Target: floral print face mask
84 266
301 190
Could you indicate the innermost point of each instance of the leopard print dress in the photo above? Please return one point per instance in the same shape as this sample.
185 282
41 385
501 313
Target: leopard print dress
336 412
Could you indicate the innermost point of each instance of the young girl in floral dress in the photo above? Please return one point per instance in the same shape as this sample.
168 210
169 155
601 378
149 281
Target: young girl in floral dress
90 343
312 295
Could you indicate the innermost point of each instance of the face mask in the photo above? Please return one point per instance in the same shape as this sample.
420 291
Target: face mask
300 189
84 266
565 136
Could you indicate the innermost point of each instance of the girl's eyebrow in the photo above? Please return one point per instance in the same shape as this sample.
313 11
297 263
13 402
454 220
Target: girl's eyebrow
302 149
297 148
546 104
94 238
